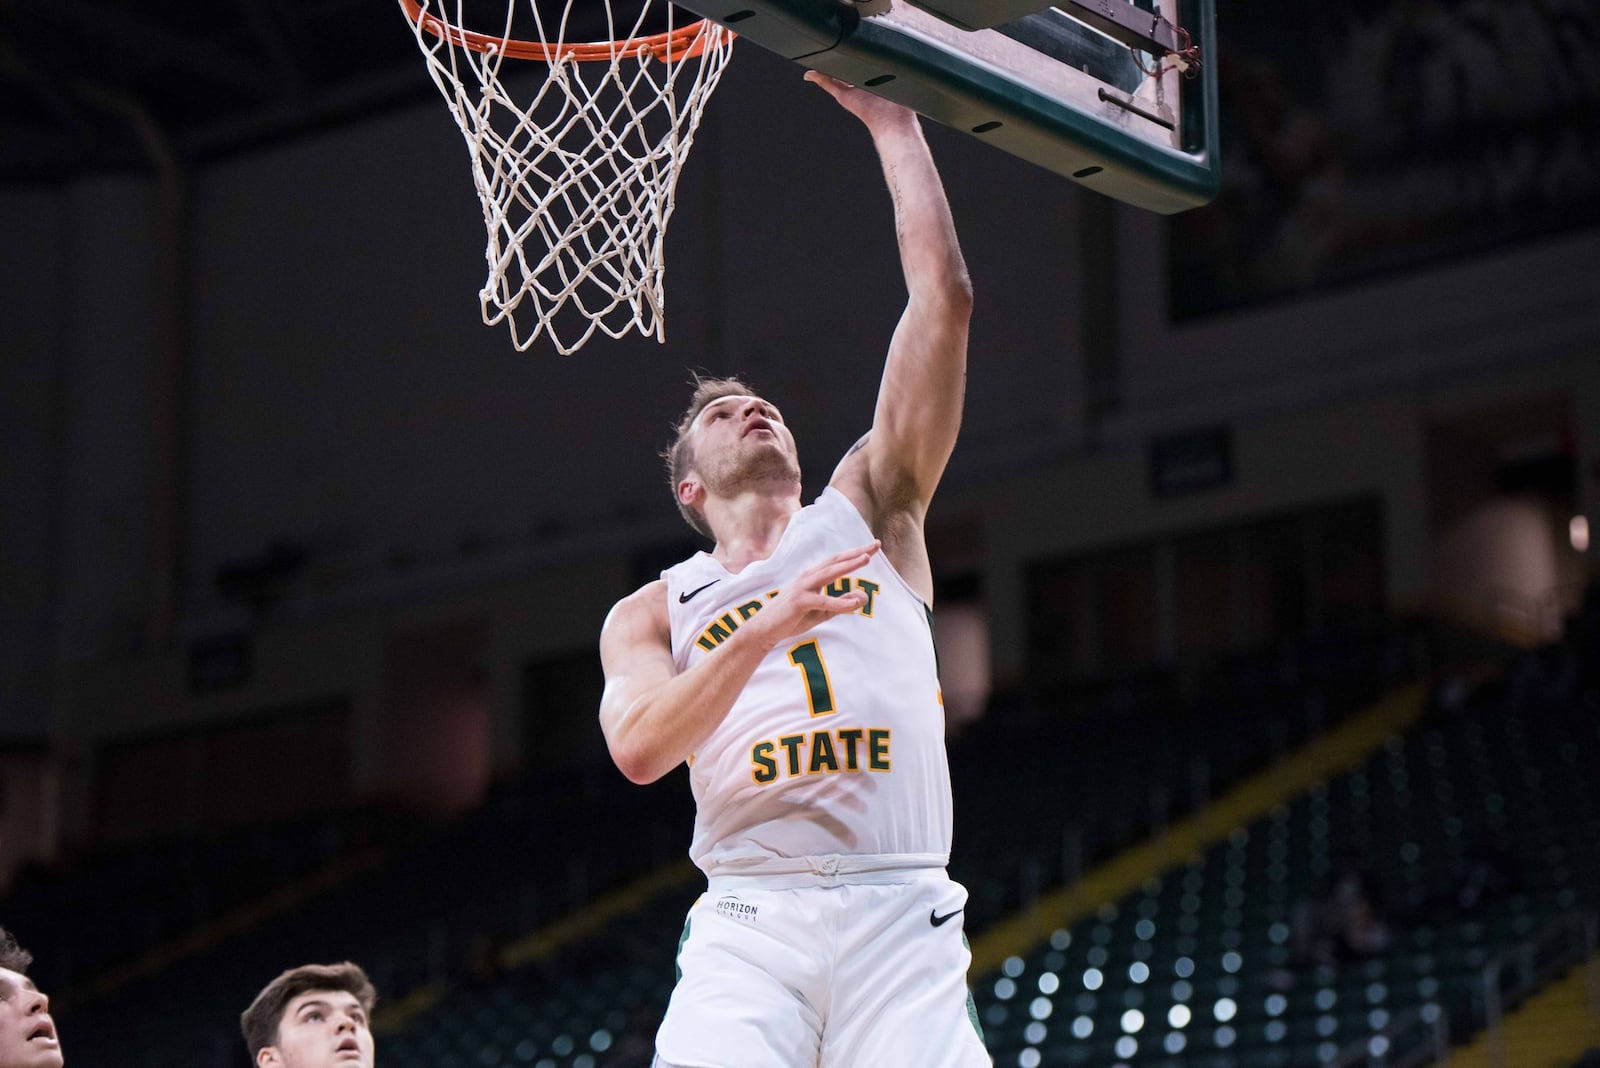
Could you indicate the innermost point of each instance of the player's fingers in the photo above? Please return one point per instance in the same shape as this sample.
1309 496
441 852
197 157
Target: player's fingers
844 604
849 554
820 579
819 607
824 81
837 566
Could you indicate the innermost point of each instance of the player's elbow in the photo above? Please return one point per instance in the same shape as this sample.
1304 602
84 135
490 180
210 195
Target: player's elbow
951 298
638 765
955 285
959 290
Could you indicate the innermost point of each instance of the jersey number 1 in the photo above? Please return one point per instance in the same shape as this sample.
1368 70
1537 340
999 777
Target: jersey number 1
808 658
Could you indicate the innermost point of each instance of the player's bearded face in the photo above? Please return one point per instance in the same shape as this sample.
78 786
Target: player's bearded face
742 445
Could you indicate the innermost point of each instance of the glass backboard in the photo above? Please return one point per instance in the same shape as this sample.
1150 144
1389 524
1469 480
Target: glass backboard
1091 89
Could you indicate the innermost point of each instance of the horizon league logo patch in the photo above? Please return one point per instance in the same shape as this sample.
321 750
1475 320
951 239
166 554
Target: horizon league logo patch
734 909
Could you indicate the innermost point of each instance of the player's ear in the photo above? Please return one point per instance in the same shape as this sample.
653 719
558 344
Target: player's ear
269 1057
690 491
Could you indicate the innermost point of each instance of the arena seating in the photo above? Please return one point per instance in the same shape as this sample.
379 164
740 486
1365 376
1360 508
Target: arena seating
103 911
1478 832
540 848
1211 944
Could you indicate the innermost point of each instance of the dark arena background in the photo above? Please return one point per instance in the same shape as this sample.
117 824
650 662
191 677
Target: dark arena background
1266 610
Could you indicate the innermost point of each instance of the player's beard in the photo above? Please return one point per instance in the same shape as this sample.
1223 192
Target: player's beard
749 468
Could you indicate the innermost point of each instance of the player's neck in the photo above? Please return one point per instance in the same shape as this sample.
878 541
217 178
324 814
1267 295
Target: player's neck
749 526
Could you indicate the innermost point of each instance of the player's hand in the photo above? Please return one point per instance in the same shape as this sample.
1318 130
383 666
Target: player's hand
878 114
805 602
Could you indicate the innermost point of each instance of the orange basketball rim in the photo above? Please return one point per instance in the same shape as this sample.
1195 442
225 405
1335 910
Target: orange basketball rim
685 42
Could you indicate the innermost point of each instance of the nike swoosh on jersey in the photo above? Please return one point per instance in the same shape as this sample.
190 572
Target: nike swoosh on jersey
685 598
939 921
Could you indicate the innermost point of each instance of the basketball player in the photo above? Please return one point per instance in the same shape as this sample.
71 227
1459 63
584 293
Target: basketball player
793 668
313 1016
27 1034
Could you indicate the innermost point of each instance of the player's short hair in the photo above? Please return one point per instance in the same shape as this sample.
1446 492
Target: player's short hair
680 455
12 956
260 1021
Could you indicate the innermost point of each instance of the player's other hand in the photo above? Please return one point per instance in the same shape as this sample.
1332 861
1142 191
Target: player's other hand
805 602
878 114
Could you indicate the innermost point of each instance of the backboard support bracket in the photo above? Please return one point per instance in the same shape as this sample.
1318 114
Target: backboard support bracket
1119 20
1133 26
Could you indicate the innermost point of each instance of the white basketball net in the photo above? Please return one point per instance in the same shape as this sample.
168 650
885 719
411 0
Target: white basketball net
577 182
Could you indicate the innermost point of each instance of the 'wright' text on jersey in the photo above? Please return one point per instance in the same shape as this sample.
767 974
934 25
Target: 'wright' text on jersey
836 744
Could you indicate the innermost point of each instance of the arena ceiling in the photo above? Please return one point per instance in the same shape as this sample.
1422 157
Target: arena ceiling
86 84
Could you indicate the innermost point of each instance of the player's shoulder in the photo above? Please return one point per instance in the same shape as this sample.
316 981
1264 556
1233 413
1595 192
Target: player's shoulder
852 478
642 611
879 493
650 597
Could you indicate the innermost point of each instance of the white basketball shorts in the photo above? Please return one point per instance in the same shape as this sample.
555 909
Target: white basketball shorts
853 975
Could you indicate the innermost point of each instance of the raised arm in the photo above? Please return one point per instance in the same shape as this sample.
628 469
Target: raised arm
653 717
924 378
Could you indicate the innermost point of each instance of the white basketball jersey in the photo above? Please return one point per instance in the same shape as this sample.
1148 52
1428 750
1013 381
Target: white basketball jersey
836 744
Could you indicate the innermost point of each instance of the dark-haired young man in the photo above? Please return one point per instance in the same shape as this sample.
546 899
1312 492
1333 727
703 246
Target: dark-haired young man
27 1034
313 1016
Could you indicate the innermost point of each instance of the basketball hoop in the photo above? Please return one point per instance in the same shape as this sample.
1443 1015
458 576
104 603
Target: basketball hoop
577 182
